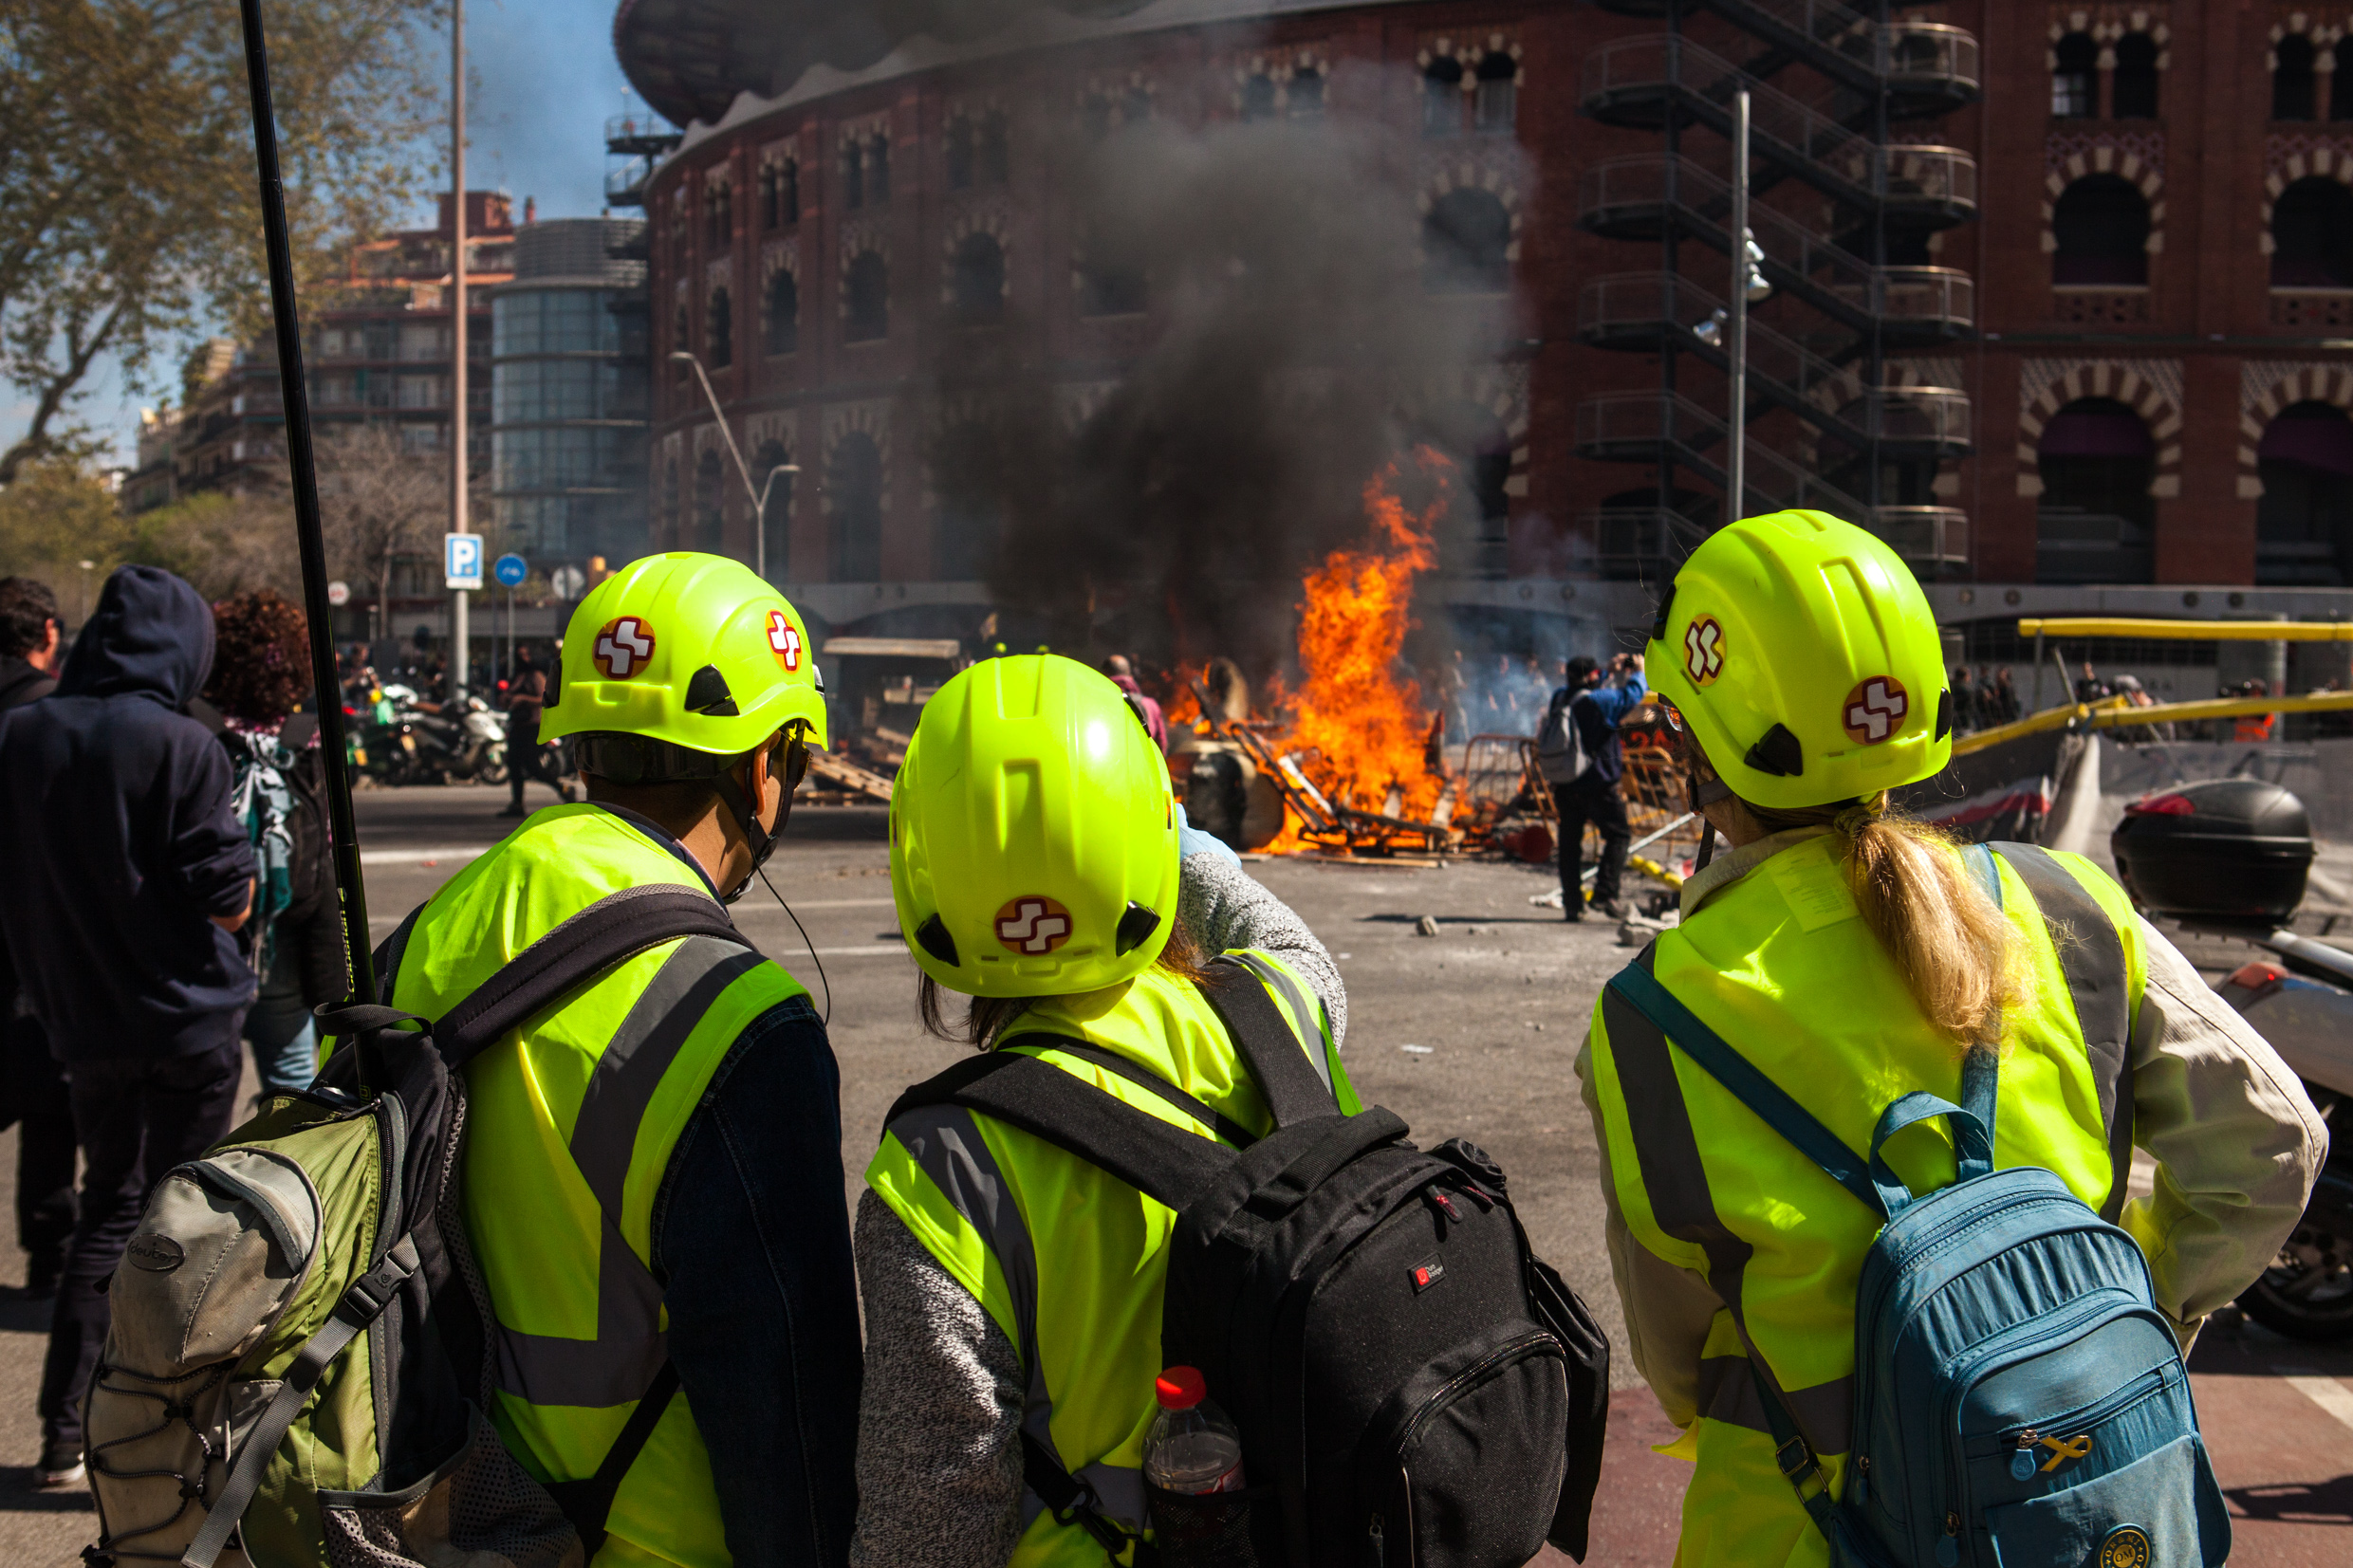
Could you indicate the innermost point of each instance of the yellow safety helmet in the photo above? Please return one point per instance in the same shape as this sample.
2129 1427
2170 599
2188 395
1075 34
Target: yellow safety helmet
1033 833
1803 654
690 649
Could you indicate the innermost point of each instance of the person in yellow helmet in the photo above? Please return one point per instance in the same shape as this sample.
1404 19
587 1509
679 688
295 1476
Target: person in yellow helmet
1043 869
1851 956
654 1170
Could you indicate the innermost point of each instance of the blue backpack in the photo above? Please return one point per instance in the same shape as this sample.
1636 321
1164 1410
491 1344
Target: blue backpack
2020 1402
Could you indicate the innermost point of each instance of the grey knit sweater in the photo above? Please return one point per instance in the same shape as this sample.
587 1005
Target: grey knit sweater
938 1426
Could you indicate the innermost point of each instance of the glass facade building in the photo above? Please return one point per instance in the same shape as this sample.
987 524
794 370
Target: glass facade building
569 381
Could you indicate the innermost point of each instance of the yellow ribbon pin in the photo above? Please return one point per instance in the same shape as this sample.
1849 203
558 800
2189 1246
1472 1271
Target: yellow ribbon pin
2064 1449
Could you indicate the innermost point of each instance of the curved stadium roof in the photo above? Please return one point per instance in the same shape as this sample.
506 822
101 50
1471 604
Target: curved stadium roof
690 58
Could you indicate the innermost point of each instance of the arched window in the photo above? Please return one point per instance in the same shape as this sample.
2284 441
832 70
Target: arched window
2102 224
967 463
1465 244
783 313
2340 82
2303 523
1258 97
1497 104
682 336
772 196
996 159
879 168
789 181
1304 98
719 215
976 279
2075 77
855 481
710 501
853 176
2133 95
867 290
1441 97
2097 520
777 520
719 326
2312 235
2293 79
960 150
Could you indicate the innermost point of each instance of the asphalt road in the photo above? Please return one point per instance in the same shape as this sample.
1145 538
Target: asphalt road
1472 1032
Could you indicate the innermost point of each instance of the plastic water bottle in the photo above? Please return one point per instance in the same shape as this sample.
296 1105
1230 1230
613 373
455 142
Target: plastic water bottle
1192 1447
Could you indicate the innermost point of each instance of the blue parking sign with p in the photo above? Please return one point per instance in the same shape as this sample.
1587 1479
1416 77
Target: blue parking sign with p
510 569
461 560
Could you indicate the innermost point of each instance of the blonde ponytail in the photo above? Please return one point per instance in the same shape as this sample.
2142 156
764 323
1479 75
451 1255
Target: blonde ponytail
1958 952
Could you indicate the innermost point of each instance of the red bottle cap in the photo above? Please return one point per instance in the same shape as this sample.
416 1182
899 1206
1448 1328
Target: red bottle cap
1180 1387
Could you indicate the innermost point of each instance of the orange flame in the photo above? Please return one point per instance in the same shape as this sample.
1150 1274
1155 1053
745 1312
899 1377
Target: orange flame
1364 722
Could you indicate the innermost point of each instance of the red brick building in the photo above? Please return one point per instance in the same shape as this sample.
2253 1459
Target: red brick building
2061 295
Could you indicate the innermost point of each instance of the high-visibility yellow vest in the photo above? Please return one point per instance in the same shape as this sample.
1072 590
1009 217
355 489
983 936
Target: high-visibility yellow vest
1002 1209
1782 965
570 1127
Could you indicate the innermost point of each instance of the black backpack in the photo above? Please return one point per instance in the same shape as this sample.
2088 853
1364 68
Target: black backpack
1414 1388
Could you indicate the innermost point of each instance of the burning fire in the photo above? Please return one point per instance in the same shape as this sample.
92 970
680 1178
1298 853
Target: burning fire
1356 723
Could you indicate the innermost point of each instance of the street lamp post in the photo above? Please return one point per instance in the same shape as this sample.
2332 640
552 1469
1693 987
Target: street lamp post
759 493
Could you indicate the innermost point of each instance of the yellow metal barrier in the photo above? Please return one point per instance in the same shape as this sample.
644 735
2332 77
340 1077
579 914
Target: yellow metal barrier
2190 631
2114 712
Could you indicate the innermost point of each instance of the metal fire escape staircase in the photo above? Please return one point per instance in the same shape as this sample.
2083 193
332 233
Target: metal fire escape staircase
1832 197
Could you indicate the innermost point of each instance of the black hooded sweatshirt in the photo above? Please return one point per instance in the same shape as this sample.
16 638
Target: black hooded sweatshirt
117 838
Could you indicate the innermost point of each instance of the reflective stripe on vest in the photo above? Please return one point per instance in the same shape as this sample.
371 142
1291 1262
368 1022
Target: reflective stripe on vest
1001 1209
572 1121
2081 945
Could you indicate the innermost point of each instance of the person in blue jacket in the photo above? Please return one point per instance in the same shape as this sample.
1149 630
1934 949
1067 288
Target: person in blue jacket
1596 701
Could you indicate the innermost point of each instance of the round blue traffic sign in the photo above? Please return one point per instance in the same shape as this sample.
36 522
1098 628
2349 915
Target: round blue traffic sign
510 570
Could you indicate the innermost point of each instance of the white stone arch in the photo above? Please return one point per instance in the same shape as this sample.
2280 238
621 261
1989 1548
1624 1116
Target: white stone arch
1471 173
994 221
1279 64
2149 388
2334 163
2266 387
2107 160
1470 50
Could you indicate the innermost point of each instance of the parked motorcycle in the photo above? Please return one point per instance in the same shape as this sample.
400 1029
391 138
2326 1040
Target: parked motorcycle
2229 858
412 741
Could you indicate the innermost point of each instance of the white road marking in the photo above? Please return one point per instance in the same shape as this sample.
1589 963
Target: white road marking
876 950
2328 1394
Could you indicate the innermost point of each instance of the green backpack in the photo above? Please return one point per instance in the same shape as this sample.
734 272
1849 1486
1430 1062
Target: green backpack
295 1374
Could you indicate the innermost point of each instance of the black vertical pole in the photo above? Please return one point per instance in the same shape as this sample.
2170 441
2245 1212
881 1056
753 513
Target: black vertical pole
306 525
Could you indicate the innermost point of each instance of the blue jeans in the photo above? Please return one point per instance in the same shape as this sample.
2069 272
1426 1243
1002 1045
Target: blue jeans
286 1042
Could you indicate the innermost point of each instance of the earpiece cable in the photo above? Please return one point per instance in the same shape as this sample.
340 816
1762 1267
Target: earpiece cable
822 980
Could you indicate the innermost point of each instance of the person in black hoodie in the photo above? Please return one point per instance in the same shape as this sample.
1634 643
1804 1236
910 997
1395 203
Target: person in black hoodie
32 1086
128 873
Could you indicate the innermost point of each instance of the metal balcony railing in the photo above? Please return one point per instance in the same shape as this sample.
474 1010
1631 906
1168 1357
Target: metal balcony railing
1926 537
1646 427
1631 82
1639 542
1632 310
1628 194
625 185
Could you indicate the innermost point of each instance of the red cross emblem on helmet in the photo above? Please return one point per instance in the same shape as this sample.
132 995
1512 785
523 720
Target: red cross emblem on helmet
1874 708
623 648
784 638
1034 925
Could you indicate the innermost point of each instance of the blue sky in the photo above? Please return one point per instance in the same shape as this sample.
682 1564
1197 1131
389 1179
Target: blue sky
543 81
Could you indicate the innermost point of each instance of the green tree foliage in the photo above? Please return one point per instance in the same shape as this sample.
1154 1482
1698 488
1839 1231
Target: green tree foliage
58 515
129 207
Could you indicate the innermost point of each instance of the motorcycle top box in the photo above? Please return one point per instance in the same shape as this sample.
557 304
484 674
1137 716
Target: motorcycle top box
2223 849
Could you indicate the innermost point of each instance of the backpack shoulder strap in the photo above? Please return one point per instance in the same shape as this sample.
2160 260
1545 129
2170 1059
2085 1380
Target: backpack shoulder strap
1741 1079
1166 1162
1228 1130
612 928
1293 1089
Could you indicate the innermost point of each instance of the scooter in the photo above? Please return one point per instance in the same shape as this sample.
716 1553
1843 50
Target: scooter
2300 998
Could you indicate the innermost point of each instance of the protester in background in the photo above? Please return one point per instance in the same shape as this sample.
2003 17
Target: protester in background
525 760
261 674
1966 715
1122 675
128 877
2255 728
32 1085
2091 687
2006 707
1595 704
